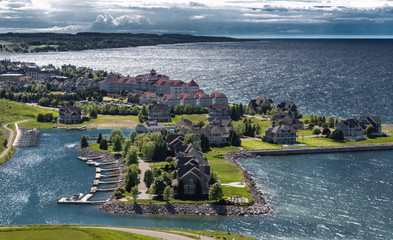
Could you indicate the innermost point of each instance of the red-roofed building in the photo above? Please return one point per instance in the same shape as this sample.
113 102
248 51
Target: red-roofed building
202 99
219 98
217 134
170 100
186 98
148 97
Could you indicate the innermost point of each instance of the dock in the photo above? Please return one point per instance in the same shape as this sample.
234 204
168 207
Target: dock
95 189
97 164
97 182
84 200
82 128
29 138
90 158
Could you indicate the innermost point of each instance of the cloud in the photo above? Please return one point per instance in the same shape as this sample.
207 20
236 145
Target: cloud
197 17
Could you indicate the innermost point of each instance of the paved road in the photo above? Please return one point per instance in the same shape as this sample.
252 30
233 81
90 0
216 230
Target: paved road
142 186
10 138
152 233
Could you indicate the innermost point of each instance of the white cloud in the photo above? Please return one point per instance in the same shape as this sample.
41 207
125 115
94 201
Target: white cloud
197 17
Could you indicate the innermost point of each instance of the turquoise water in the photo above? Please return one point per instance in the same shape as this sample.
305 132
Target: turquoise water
323 196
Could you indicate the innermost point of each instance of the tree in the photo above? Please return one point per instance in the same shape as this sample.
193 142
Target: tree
326 131
316 131
167 193
189 138
213 178
201 123
205 143
159 185
234 139
5 142
99 139
131 177
133 136
369 130
198 188
104 144
148 178
117 144
141 119
160 151
40 117
132 156
134 193
115 133
148 150
84 142
215 192
126 147
338 135
145 110
180 188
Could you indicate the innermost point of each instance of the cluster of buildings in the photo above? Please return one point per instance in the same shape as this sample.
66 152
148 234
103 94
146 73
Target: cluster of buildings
354 129
69 115
158 87
23 74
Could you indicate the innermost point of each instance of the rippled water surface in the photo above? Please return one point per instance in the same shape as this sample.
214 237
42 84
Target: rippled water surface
341 78
313 197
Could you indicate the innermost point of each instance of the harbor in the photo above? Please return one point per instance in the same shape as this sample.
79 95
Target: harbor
27 137
112 170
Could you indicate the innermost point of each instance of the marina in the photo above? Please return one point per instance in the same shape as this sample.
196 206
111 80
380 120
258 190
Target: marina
28 137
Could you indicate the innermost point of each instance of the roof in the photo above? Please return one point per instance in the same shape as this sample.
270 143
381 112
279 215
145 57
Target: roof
167 97
374 119
193 84
220 107
351 123
158 106
147 95
70 109
283 128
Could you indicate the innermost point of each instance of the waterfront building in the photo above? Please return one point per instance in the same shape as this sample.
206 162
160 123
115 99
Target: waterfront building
151 126
258 104
148 97
219 98
288 107
187 99
288 119
159 112
374 121
280 134
352 130
217 134
218 111
69 115
170 100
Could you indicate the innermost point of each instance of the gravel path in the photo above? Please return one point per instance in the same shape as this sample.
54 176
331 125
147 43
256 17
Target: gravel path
11 137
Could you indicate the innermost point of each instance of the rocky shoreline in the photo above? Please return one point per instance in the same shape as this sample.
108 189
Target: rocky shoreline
258 207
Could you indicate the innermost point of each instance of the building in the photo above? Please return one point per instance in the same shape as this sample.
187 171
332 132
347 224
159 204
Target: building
217 134
191 168
202 99
352 130
374 121
148 97
69 115
259 103
159 112
151 126
219 98
170 100
186 99
280 134
218 111
288 119
288 107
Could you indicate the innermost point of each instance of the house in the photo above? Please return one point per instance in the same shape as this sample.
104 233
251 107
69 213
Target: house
280 134
186 99
159 112
187 123
202 99
175 141
259 103
219 98
352 130
374 121
218 111
190 150
217 134
288 119
151 126
170 100
288 107
148 97
69 115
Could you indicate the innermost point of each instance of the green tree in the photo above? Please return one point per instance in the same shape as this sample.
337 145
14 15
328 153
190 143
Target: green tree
213 178
148 178
189 138
205 143
141 119
134 193
99 139
104 144
117 144
148 150
131 177
201 123
326 131
84 141
198 189
123 110
5 142
116 133
167 193
159 185
145 110
316 131
180 188
234 139
215 192
133 136
338 135
132 156
369 130
40 117
126 147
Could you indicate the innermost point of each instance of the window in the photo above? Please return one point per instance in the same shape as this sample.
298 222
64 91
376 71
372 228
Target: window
191 181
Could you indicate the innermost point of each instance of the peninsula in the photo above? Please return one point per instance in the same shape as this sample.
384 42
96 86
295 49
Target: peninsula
56 42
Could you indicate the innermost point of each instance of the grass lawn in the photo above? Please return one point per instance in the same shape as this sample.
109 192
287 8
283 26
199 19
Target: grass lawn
258 144
97 146
320 141
193 118
67 232
262 123
114 99
32 47
386 128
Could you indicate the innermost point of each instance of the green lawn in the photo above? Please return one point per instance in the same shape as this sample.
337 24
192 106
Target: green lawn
67 232
32 47
193 118
258 144
97 146
109 118
321 141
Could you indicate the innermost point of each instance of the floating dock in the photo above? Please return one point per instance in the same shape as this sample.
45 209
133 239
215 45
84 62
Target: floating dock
82 128
84 200
29 138
90 158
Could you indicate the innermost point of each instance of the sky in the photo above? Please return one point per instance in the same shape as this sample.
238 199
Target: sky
233 18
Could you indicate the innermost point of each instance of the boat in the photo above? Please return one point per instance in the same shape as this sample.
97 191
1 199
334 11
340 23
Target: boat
76 197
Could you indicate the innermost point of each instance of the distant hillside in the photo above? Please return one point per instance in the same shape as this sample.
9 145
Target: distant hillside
56 42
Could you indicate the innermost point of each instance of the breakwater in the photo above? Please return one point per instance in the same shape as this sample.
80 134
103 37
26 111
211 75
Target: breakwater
315 150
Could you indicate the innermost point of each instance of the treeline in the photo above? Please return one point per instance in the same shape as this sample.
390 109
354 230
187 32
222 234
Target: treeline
46 42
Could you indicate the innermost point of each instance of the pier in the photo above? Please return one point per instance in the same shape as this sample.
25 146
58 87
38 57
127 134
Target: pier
84 200
90 158
82 128
28 138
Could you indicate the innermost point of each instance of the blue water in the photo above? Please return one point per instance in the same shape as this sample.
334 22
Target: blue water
339 78
323 196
